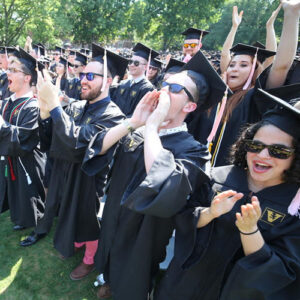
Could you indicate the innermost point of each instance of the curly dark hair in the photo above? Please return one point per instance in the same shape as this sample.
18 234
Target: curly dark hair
238 153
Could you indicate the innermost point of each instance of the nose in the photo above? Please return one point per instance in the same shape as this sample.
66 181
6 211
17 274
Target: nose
264 153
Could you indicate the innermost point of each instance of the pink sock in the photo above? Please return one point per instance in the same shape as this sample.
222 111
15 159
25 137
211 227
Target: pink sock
90 251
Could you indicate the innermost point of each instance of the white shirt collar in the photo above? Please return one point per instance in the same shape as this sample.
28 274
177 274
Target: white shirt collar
28 95
167 131
136 80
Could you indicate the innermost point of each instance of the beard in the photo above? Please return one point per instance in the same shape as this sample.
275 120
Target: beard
91 94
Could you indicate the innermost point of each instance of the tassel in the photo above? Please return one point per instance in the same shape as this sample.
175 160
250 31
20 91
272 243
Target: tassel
248 82
67 69
148 65
39 52
294 207
218 118
200 41
104 71
6 53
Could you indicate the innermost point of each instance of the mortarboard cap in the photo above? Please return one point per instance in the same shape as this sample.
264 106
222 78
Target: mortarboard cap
194 33
243 49
174 66
65 62
85 51
72 52
81 58
210 85
258 44
155 63
9 50
144 51
116 64
38 48
284 116
60 50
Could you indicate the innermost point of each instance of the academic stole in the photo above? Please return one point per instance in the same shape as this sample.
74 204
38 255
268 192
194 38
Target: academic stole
12 174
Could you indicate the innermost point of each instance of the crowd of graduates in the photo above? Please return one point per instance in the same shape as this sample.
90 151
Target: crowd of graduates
203 146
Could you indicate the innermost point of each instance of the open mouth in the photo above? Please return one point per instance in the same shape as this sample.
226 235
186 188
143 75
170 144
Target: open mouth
260 167
9 82
84 88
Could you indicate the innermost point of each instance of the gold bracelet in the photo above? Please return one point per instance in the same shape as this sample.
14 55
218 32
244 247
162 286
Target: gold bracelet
128 126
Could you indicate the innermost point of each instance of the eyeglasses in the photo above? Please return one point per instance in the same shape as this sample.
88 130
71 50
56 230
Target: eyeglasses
192 45
153 68
77 66
276 151
135 62
14 70
89 76
177 88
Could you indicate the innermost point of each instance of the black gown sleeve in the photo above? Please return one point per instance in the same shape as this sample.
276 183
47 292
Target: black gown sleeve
273 270
45 133
166 187
21 139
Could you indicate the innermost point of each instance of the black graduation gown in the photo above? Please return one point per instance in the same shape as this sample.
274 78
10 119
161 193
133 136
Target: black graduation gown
73 89
132 244
248 111
21 159
72 193
63 84
127 96
4 91
218 268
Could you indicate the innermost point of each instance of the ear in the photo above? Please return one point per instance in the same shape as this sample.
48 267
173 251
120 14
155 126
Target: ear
189 107
27 78
109 81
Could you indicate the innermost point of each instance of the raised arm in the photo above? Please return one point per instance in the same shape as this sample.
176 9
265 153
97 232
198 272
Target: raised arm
225 54
288 44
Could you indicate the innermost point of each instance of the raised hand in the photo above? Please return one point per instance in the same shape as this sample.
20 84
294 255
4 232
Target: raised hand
236 17
246 221
144 109
224 202
273 17
158 116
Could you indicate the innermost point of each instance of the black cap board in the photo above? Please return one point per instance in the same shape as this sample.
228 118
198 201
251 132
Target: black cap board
9 50
72 52
60 50
284 116
258 44
116 64
85 51
37 48
144 51
286 92
194 33
210 85
81 58
243 49
174 66
65 62
30 62
156 63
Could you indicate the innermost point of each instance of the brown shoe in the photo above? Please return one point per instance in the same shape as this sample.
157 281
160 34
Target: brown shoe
82 271
104 292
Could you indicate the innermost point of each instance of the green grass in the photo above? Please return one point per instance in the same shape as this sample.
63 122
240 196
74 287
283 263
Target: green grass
36 272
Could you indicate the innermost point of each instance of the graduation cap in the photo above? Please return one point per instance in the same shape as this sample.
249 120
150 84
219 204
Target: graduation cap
174 66
144 51
243 49
65 62
259 45
39 50
86 51
81 58
116 64
156 63
284 116
9 50
286 92
60 50
72 52
194 33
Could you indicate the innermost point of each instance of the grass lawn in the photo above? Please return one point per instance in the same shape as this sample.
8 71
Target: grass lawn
36 272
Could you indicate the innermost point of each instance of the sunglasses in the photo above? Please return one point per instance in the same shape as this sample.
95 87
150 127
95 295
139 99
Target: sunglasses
77 66
135 62
192 45
89 76
14 70
153 68
276 151
176 88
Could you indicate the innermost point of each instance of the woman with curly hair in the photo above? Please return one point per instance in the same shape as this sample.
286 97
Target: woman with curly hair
245 244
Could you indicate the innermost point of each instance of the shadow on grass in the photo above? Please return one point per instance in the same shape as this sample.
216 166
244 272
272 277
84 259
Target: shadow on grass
36 272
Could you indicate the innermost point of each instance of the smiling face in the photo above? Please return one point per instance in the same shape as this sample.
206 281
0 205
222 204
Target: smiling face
238 71
152 72
190 51
138 71
265 170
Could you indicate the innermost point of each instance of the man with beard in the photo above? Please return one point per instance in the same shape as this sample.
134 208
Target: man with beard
192 42
129 92
21 163
72 194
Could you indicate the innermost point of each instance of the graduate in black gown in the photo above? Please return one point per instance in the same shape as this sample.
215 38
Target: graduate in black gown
244 243
129 92
154 72
67 133
242 107
155 166
61 81
22 163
